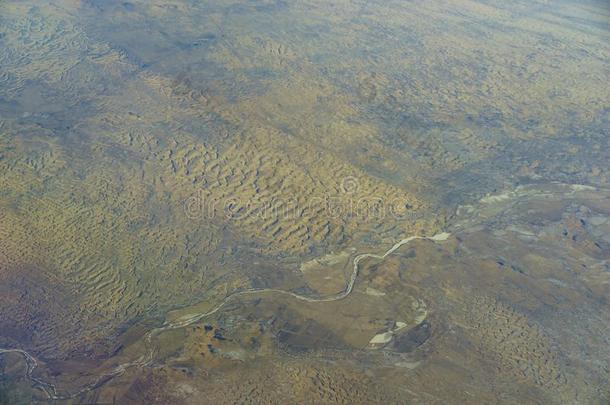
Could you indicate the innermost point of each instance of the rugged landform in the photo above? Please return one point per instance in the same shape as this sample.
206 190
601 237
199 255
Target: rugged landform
304 202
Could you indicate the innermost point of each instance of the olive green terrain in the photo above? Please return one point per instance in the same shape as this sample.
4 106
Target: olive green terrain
158 156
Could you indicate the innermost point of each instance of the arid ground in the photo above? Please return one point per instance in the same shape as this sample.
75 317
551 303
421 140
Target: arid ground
269 201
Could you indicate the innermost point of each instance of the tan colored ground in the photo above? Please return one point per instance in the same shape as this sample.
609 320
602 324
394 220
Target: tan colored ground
157 156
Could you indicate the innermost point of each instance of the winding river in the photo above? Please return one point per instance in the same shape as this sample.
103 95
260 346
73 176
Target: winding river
145 360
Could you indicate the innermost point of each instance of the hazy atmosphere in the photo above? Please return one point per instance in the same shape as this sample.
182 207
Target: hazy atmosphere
304 202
